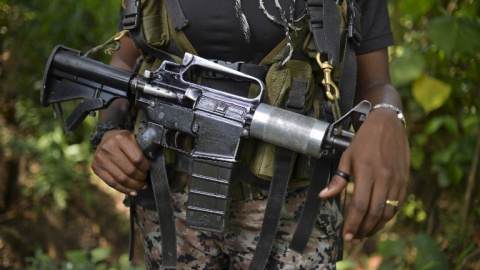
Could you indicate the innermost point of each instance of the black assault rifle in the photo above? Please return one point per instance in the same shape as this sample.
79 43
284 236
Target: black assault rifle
216 120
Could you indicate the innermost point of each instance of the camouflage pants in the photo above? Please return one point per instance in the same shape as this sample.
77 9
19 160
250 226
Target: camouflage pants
233 249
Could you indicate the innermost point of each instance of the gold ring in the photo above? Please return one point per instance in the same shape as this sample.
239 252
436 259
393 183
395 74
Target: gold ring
392 203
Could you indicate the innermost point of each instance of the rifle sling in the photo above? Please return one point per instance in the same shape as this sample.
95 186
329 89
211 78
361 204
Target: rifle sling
164 206
131 244
324 23
163 201
275 202
312 204
348 83
279 184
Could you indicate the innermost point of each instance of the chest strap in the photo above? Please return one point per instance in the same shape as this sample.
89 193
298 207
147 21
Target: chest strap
324 24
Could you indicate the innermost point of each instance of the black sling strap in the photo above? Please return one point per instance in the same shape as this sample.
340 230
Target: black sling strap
324 23
275 202
348 78
131 244
312 204
178 19
279 183
163 201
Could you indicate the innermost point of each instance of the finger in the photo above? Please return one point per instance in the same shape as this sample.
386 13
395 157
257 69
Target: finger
111 181
359 204
120 170
136 156
390 210
401 197
130 168
338 183
122 144
388 214
122 149
378 213
369 228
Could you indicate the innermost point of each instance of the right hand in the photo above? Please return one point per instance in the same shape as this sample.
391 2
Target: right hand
120 163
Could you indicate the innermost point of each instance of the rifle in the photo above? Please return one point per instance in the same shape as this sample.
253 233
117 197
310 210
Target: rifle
217 121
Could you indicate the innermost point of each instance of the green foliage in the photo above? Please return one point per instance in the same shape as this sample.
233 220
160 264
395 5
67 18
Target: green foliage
414 209
430 93
96 259
435 67
420 253
59 162
463 34
429 255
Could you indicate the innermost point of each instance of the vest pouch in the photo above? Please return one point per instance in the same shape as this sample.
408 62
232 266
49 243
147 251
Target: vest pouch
154 22
282 91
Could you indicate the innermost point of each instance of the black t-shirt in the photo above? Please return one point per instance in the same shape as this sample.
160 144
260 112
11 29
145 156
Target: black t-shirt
215 30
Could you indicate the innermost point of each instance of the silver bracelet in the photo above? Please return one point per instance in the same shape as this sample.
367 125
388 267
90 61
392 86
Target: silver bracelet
397 111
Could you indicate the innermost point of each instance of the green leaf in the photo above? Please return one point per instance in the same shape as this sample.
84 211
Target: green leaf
429 255
407 68
416 9
451 124
418 156
392 248
455 173
470 123
100 254
453 34
77 256
442 157
346 264
433 125
430 93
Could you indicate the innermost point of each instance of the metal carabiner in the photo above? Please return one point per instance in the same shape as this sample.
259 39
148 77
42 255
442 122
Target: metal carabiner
327 79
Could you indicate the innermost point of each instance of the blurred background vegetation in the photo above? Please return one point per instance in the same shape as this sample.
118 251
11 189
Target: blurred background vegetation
54 213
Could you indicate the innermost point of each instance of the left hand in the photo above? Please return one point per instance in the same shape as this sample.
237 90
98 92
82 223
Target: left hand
378 159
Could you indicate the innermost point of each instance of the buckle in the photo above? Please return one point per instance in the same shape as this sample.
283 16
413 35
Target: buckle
130 18
234 66
354 26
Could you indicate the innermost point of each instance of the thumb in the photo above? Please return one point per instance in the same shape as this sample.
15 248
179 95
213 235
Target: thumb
340 178
335 187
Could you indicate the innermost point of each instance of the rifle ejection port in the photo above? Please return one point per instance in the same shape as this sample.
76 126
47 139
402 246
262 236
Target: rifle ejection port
222 108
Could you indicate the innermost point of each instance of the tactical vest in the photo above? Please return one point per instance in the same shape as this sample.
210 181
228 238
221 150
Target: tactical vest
160 32
325 37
